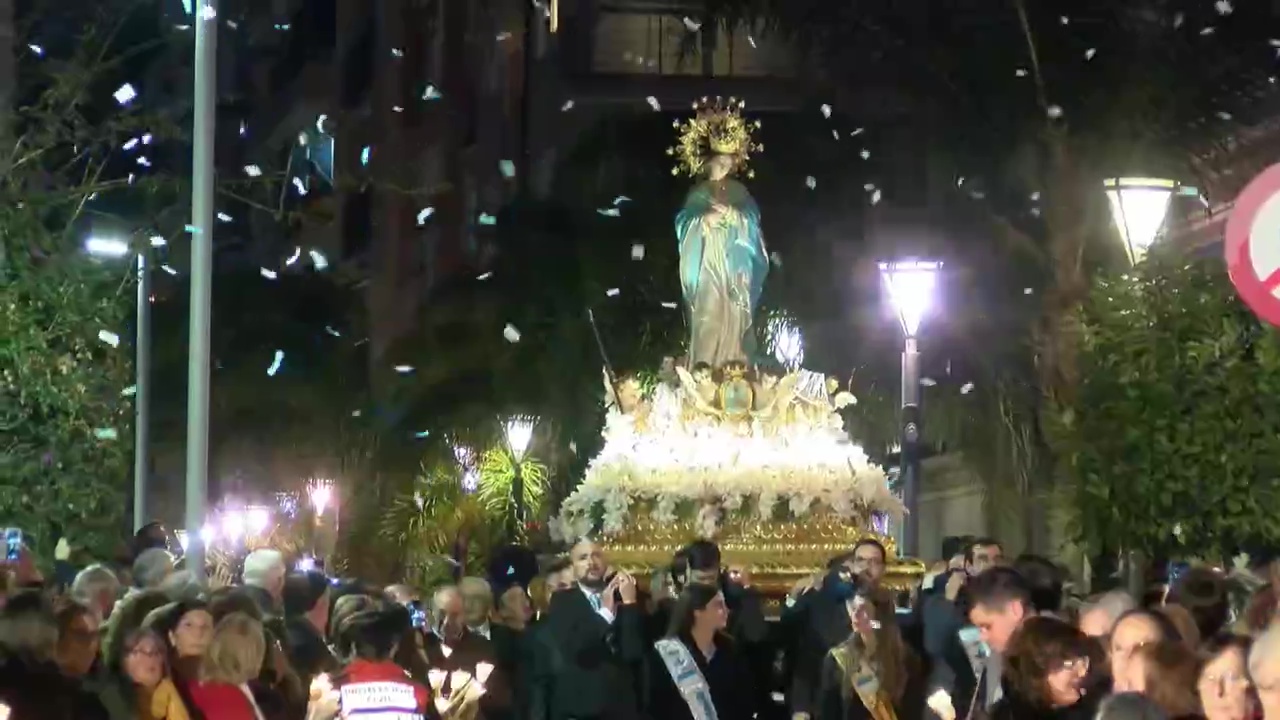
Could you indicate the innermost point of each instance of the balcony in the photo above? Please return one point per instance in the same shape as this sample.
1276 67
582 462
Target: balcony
625 54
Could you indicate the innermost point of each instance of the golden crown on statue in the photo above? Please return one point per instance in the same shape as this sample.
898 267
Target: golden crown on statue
717 128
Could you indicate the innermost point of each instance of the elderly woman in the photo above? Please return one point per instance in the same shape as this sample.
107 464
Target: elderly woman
1264 671
1224 686
1051 670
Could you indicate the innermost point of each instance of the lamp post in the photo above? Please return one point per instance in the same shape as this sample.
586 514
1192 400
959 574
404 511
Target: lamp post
1138 207
206 72
518 432
112 248
910 284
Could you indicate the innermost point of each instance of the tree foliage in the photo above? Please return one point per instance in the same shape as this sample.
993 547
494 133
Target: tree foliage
1172 435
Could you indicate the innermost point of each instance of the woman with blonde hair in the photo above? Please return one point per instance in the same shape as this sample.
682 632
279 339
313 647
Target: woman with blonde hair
233 658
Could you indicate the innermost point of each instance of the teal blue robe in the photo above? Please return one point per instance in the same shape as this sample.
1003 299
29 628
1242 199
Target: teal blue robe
722 271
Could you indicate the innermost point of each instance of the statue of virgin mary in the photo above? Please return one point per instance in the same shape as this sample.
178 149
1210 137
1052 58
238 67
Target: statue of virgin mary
723 260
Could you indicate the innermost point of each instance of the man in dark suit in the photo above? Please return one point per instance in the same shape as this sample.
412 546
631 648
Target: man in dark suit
585 663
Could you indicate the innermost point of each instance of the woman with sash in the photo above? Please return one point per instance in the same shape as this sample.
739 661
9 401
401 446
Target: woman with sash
863 678
696 672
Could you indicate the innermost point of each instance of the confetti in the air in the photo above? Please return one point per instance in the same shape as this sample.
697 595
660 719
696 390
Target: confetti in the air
1088 54
158 241
144 162
612 292
253 171
1027 291
268 274
125 94
752 41
329 329
826 111
511 334
276 362
811 182
318 260
857 131
653 103
692 25
129 391
1224 7
637 251
404 369
421 434
620 199
431 92
223 217
39 51
299 186
397 53
865 154
169 269
928 382
567 106
507 168
670 305
966 388
365 154
106 434
1054 112
609 212
1020 72
424 214
130 144
875 196
109 338
487 219
485 275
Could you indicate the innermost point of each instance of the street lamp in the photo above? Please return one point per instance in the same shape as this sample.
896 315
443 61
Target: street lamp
114 249
1138 207
518 432
911 285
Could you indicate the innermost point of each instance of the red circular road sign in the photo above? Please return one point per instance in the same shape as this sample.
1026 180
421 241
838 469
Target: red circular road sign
1253 245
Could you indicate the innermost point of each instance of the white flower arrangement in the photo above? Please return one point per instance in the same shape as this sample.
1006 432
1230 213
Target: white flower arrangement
697 474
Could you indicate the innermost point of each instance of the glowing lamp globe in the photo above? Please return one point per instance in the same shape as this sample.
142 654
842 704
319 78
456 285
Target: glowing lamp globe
106 247
1138 207
911 285
519 432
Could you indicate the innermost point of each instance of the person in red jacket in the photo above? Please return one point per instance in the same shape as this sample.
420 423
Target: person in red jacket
371 685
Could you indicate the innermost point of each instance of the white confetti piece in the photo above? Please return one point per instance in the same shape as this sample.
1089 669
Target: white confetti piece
299 186
403 369
620 199
567 106
169 269
1224 115
507 168
158 241
1178 19
692 25
928 381
1064 20
966 388
223 217
775 258
751 41
1208 31
609 212
424 214
268 274
125 94
1054 112
297 253
276 362
1028 291
1020 72
36 49
397 109
318 260
503 36
653 103
1088 54
365 154
131 144
835 133
431 92
573 447
826 111
129 391
1224 7
397 53
421 434
811 182
875 197
487 219
106 434
511 334
857 131
109 338
144 161
637 251
1035 196
865 154
253 171
329 329
612 292
670 305
485 275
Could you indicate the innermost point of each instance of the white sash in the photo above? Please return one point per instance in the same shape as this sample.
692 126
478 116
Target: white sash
689 681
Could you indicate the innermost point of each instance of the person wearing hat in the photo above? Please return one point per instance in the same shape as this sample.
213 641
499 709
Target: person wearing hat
371 683
306 617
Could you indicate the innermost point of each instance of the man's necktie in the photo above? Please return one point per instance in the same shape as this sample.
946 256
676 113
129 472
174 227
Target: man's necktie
595 601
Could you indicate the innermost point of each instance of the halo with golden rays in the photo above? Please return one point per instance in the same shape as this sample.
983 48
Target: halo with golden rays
716 128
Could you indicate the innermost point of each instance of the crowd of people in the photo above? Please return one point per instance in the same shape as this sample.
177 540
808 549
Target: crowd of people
575 639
